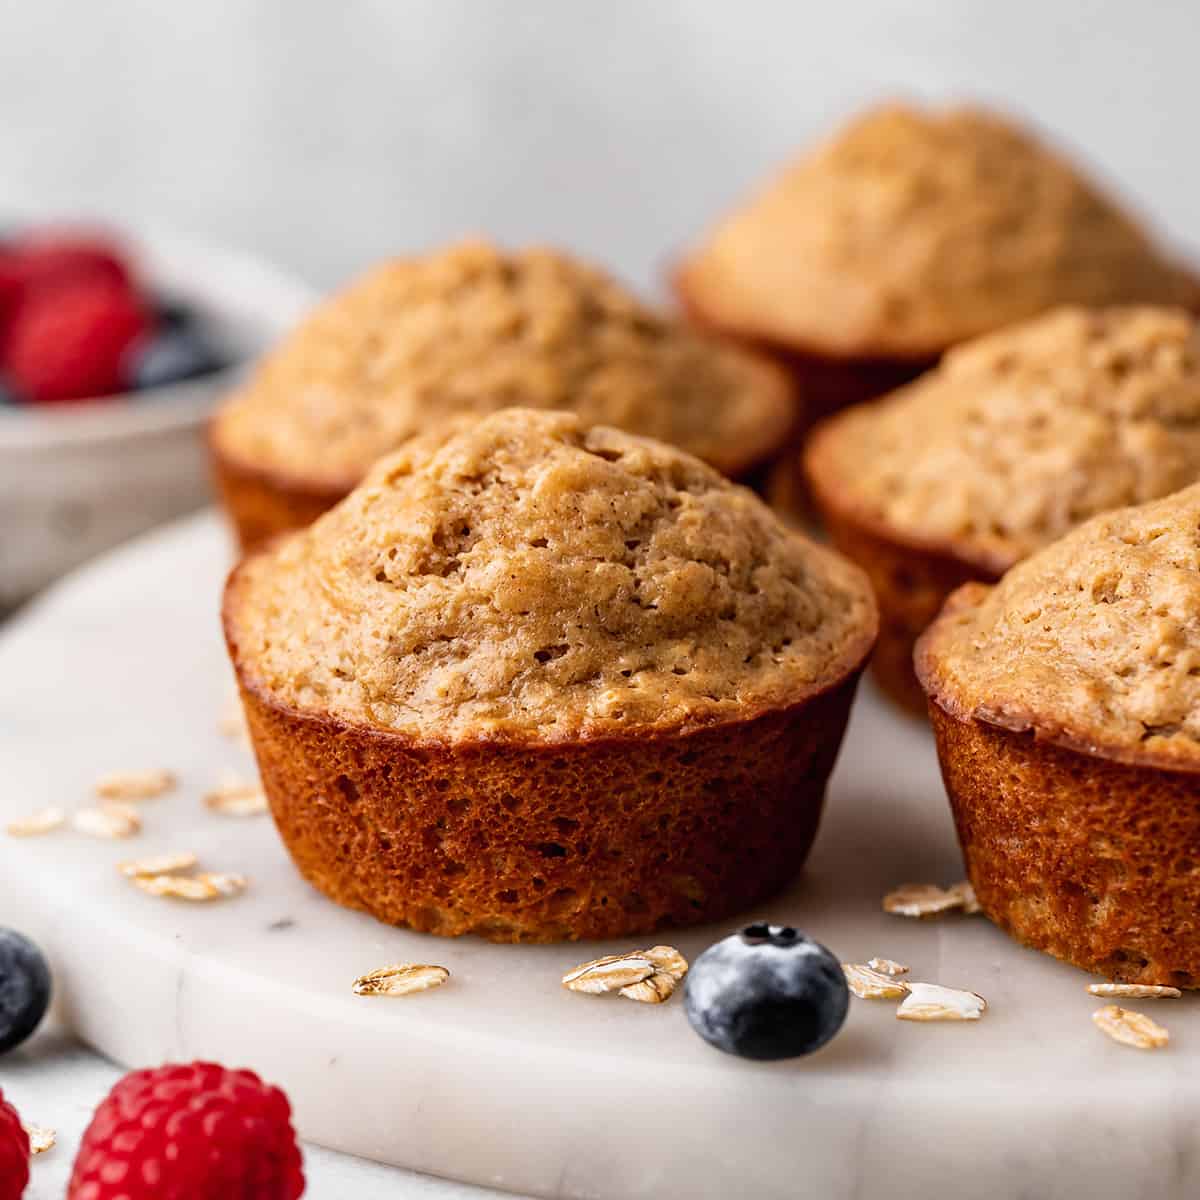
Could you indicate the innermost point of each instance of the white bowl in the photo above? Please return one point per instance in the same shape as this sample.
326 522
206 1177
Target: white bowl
78 478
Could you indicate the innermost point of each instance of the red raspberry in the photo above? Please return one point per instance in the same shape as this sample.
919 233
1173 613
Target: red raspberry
52 258
197 1132
49 258
68 341
14 1153
10 293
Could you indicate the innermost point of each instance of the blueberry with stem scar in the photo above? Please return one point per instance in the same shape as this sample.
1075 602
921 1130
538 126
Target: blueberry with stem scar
767 992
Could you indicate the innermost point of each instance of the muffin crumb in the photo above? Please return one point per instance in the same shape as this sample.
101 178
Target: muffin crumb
911 230
529 574
1021 435
472 329
1094 641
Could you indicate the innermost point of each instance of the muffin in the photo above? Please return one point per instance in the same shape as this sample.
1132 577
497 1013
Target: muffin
467 331
907 232
1015 439
1066 704
537 681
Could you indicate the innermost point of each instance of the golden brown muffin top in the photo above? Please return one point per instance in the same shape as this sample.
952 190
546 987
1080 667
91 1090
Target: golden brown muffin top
530 577
911 230
1018 437
1094 641
472 329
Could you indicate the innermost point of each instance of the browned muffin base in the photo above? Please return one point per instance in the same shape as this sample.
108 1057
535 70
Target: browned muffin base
827 385
823 384
1093 861
911 583
588 839
260 506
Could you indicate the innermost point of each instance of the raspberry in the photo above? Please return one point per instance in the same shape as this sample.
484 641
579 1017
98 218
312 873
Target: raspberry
14 1153
197 1132
68 341
52 258
47 259
10 293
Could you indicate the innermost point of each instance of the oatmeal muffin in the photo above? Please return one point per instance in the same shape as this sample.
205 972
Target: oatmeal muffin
907 232
535 681
1066 704
1015 439
467 331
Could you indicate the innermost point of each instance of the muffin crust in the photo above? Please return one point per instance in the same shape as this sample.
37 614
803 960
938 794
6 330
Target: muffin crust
1019 436
1093 643
529 576
536 681
1014 440
911 230
1084 857
1064 703
542 841
470 330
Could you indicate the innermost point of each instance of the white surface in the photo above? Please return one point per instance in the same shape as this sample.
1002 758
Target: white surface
325 138
501 1076
76 479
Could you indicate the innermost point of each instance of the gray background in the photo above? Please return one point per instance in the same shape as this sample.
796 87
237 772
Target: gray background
328 134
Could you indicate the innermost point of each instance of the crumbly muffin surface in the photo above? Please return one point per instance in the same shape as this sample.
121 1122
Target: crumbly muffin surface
912 230
1094 640
470 330
1019 436
530 576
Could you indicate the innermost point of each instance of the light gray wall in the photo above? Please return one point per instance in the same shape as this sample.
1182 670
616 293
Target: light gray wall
326 134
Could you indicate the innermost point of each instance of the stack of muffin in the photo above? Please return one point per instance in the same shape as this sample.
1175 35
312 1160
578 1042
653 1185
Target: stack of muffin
542 671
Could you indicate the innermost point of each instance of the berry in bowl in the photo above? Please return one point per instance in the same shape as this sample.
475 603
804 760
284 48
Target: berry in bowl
112 351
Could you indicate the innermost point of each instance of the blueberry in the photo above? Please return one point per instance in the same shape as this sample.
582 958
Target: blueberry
174 314
766 992
24 988
173 355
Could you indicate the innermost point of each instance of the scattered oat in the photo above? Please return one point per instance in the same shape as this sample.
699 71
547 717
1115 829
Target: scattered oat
110 820
158 864
654 990
226 883
932 1002
400 979
922 900
869 984
205 886
1130 1028
667 960
886 966
236 798
134 785
609 974
1136 991
40 1139
970 902
649 976
177 887
36 824
669 968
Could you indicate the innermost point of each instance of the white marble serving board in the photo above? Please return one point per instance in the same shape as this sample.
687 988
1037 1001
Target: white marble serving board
501 1077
